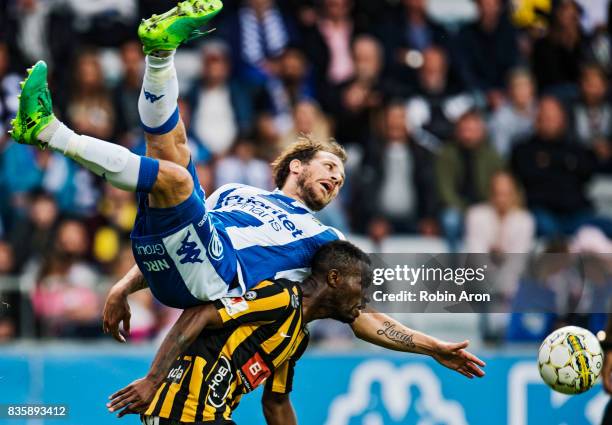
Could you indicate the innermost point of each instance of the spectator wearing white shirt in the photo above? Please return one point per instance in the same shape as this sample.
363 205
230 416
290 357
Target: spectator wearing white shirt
501 227
513 121
242 166
222 108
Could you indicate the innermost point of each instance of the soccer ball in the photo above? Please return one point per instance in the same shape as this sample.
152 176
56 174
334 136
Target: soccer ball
570 360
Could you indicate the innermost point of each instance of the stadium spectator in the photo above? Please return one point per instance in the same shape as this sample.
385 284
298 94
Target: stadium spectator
126 93
267 136
90 106
487 50
308 119
393 188
242 166
355 103
503 228
592 114
25 169
437 102
65 300
9 88
599 48
9 295
222 106
102 22
554 173
464 169
328 43
557 56
31 236
116 214
289 87
593 14
405 35
513 120
501 225
28 29
258 35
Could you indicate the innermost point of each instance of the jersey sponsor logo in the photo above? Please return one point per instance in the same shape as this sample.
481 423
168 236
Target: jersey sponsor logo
275 217
219 383
156 266
150 249
254 372
235 305
152 97
250 295
215 247
189 250
176 373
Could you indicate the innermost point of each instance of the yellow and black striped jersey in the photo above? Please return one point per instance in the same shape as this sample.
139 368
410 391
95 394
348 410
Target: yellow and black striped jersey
262 338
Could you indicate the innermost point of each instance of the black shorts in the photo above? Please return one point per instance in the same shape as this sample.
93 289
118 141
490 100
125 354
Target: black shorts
150 420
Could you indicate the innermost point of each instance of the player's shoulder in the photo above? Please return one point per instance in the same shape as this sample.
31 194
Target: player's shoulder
283 292
239 188
229 191
269 301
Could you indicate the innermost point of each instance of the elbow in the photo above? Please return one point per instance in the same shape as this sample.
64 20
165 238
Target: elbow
273 404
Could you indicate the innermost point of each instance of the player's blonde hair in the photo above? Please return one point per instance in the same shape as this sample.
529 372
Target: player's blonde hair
303 149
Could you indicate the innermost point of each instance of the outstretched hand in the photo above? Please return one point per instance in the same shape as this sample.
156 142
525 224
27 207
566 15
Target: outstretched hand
455 357
135 398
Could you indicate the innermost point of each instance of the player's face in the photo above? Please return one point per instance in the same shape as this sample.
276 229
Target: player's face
350 298
320 180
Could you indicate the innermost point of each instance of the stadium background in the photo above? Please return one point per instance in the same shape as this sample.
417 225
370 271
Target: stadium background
482 126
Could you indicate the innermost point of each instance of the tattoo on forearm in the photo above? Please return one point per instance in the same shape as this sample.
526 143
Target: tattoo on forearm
167 355
390 332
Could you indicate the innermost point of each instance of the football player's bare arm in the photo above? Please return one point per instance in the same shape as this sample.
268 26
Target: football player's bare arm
183 333
277 408
116 307
137 396
382 330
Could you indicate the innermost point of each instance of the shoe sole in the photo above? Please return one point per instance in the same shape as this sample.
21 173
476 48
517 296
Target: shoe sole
188 17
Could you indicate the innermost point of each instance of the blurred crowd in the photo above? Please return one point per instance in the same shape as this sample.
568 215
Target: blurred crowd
487 132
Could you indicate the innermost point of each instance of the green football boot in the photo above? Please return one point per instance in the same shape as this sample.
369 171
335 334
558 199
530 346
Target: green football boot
181 23
35 110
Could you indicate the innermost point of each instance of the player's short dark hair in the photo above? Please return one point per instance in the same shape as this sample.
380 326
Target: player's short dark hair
304 149
344 257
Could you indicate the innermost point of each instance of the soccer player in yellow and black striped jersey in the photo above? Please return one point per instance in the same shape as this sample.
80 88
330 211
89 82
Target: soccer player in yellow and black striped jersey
263 337
219 351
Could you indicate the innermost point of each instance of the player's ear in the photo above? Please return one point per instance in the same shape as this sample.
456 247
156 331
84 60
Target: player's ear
295 166
333 278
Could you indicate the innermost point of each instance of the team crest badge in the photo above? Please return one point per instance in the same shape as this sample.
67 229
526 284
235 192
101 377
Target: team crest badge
250 295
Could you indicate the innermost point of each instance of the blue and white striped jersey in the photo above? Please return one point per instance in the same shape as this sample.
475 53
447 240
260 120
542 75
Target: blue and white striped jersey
273 235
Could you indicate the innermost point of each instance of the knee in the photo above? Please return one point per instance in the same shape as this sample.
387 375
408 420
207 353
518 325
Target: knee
174 178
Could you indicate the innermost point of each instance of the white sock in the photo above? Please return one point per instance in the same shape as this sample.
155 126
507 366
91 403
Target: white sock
158 98
113 162
50 130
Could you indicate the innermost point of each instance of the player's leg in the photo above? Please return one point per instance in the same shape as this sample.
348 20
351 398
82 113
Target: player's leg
35 124
161 35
